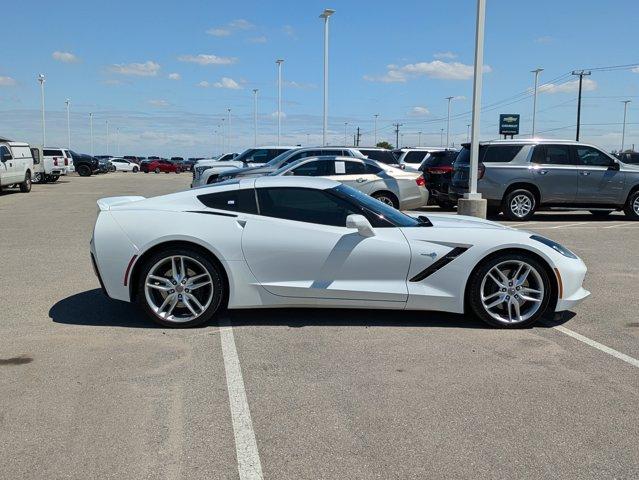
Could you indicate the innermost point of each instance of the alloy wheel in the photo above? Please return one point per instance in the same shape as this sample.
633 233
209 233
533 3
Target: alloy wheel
178 289
512 291
635 205
521 205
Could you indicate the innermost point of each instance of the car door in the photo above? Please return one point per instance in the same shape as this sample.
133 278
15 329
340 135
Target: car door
598 182
354 173
300 247
11 165
555 173
312 168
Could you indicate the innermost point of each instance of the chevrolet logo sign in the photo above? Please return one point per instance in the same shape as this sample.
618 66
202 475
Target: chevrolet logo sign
510 119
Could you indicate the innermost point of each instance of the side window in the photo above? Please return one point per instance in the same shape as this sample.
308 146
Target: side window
501 153
259 156
414 157
271 154
6 154
35 153
372 169
232 200
381 156
355 168
552 155
318 168
303 205
592 157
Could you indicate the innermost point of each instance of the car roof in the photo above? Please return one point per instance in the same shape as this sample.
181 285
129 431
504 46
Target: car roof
529 141
17 144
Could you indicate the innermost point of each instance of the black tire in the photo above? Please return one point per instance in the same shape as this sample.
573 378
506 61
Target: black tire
388 198
157 170
39 177
177 170
219 294
135 170
601 213
510 210
474 294
632 206
83 171
54 178
25 187
448 206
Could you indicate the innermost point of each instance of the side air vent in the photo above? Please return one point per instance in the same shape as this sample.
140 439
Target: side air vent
442 262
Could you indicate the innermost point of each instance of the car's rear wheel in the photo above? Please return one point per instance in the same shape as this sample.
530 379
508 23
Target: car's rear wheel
180 287
54 178
135 169
177 170
25 187
84 171
39 177
157 170
510 290
632 206
519 204
387 198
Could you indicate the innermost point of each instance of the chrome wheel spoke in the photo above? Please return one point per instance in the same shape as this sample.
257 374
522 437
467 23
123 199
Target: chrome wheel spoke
193 299
190 281
517 310
199 285
162 288
167 301
495 303
530 299
185 301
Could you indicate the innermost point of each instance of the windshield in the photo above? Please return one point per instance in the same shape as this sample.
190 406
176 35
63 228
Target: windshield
282 156
380 210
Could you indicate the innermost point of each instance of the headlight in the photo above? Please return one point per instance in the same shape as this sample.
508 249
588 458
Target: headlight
557 247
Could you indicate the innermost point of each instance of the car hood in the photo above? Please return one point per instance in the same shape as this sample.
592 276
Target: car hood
460 221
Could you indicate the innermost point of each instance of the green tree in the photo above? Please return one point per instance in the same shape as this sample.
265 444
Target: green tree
384 144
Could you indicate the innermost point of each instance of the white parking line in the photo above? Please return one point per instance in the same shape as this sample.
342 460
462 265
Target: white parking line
627 224
248 458
570 225
610 351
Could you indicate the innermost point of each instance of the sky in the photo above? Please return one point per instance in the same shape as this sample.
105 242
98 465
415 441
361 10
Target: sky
163 74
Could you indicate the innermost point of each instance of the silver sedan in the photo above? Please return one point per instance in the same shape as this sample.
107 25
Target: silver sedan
401 189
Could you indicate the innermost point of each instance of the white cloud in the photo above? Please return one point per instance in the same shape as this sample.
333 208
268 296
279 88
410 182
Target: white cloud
159 103
274 114
66 57
448 55
7 81
241 24
229 83
204 59
299 85
544 40
174 76
289 31
204 84
418 111
146 69
219 32
434 69
260 39
635 70
568 87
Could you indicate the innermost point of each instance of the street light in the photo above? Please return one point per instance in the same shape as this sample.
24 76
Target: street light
107 137
345 125
228 126
419 139
448 123
376 115
623 131
41 79
279 99
468 132
117 141
441 137
255 90
91 130
325 15
67 102
537 71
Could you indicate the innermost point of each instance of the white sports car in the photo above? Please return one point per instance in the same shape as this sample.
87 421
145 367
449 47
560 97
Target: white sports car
313 242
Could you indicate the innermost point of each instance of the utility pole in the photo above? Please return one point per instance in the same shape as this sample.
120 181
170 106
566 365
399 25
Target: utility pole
623 131
117 141
325 15
107 137
397 125
279 99
255 90
448 123
228 126
376 115
468 132
419 139
345 125
536 71
91 130
441 137
67 102
581 74
41 79
357 138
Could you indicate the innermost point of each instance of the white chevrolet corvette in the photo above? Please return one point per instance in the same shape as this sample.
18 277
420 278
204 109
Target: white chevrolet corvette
313 242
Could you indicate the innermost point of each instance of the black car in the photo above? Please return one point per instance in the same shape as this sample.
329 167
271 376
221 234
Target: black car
629 157
438 173
84 164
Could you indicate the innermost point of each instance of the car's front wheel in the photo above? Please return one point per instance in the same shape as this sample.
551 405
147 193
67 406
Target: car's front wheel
157 170
511 290
135 169
519 204
632 206
180 287
25 187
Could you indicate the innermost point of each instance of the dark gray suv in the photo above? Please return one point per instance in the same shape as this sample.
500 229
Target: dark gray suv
519 177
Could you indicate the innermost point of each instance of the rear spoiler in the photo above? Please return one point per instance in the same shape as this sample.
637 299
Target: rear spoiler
107 203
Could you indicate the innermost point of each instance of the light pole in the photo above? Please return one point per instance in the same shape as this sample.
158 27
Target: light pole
308 139
448 123
228 126
41 79
623 131
536 71
107 137
441 137
345 125
472 203
468 132
419 139
91 131
67 102
255 90
325 15
223 135
279 63
376 115
117 141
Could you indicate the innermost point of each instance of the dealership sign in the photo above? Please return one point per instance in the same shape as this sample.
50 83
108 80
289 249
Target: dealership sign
509 124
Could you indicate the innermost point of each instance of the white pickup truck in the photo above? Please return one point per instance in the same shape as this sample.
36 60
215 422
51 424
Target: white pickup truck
16 165
48 168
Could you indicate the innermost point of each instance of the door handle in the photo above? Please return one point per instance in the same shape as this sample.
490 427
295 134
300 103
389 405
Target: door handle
360 180
543 172
585 172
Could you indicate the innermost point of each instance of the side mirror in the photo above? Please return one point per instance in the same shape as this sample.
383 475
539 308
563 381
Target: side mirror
402 166
361 223
614 166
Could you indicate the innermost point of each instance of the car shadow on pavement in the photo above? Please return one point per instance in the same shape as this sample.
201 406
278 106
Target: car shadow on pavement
93 308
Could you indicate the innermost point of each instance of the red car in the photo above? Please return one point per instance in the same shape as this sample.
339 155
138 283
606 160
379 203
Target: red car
160 165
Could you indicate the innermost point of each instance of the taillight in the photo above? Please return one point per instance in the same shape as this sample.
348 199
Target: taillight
66 161
440 170
55 162
480 171
420 181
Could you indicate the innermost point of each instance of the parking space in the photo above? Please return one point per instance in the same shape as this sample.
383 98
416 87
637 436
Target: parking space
91 389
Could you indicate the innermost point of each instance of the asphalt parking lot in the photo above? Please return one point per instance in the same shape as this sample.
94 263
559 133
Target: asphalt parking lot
91 389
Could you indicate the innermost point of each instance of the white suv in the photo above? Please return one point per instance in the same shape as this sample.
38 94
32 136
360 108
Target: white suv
16 165
58 158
